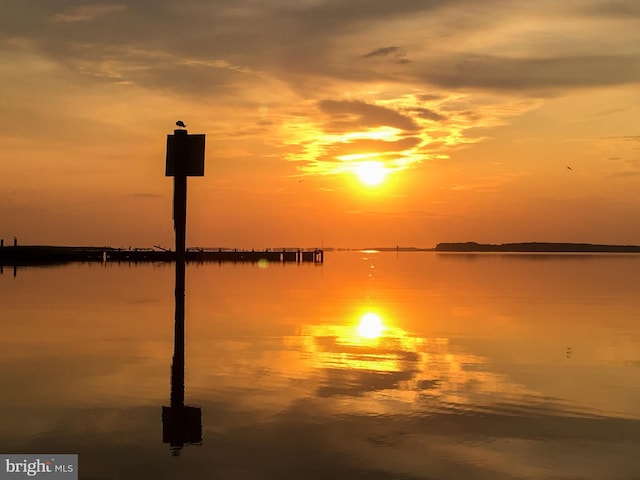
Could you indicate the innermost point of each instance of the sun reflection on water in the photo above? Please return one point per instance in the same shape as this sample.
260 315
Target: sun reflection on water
374 366
370 326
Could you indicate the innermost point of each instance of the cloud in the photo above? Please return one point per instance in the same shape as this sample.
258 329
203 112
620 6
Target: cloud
359 114
379 146
488 184
626 9
605 113
144 195
311 46
400 133
84 13
354 131
402 214
428 114
381 52
397 56
536 74
625 174
630 138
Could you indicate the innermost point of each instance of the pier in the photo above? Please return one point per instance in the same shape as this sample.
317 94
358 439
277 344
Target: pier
47 255
185 157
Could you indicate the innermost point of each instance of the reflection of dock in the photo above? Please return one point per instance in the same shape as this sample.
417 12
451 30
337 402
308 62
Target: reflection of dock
43 255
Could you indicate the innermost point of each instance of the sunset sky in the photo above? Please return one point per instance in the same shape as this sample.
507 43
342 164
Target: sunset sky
345 123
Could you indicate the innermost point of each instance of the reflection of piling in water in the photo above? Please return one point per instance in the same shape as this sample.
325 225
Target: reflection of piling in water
315 256
181 424
177 365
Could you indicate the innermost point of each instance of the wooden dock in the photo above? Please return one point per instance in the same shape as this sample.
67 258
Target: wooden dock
45 255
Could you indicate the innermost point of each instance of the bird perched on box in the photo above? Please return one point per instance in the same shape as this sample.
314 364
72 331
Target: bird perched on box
180 123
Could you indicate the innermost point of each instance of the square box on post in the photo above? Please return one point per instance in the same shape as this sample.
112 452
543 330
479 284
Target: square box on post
185 154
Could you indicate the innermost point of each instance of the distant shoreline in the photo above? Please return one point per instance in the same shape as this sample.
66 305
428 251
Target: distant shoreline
522 247
535 247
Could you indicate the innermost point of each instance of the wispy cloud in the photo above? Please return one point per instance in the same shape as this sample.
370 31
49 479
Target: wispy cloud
625 174
488 184
144 195
381 52
428 114
396 54
85 13
535 74
355 114
401 213
629 138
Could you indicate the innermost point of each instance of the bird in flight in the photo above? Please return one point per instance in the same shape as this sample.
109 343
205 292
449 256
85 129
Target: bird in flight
569 168
180 123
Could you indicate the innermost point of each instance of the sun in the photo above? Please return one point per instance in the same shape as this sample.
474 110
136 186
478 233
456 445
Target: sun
370 173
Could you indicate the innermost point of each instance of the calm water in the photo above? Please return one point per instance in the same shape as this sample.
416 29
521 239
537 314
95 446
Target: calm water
374 365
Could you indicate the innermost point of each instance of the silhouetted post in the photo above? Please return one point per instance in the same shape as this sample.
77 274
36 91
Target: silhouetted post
185 157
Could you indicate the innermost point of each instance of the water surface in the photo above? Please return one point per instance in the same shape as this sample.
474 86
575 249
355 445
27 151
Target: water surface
373 365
